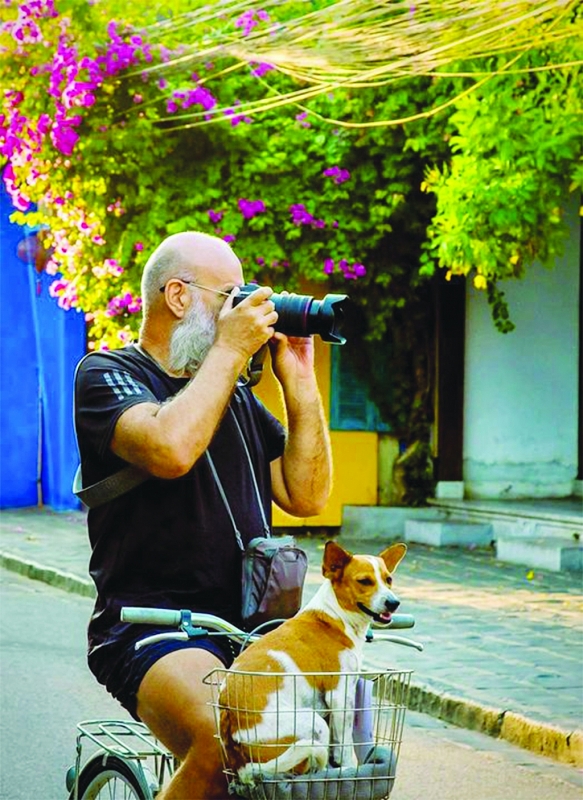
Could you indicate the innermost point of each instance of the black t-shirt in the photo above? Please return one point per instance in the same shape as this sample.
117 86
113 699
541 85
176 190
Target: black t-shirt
168 543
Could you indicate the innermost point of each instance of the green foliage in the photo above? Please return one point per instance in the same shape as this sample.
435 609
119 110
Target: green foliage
477 189
516 156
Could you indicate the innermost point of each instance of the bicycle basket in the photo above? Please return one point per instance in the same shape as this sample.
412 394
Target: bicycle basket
281 740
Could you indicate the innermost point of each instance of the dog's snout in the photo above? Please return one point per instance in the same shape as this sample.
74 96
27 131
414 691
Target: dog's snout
392 603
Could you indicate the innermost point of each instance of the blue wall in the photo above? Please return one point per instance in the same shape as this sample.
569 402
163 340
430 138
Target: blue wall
40 345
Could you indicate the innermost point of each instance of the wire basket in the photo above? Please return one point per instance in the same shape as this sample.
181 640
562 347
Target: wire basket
316 736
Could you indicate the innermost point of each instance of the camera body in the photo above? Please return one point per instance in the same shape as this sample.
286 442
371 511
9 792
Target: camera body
302 315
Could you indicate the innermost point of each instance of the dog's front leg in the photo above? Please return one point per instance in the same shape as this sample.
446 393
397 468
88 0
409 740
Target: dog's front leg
341 705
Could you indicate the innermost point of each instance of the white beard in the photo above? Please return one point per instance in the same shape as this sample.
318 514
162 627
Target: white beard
192 338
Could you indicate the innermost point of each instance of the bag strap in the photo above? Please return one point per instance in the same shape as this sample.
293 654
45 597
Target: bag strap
109 488
114 485
223 494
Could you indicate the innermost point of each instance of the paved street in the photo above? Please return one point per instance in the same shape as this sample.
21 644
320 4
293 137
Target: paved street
46 689
503 643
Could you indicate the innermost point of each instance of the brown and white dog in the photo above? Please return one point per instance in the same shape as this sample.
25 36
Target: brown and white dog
288 719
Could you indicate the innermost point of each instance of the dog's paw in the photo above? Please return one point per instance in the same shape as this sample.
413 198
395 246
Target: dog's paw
343 757
248 774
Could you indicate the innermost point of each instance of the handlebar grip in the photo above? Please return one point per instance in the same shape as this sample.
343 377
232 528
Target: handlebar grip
401 621
151 616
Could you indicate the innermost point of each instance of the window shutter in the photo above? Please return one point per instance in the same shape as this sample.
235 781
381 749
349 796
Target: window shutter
350 407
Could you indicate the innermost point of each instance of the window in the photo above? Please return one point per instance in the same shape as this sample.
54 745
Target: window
350 407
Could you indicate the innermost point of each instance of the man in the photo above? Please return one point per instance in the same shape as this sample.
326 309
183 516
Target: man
170 542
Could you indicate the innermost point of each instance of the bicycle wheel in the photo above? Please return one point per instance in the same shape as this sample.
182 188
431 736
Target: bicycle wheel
116 779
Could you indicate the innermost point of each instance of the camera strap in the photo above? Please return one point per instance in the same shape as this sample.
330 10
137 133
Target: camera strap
255 367
220 487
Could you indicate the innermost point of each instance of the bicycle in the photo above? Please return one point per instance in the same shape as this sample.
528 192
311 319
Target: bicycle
126 762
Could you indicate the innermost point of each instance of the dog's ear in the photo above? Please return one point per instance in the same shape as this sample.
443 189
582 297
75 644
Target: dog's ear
335 559
393 555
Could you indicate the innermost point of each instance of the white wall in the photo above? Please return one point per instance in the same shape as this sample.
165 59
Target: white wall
521 391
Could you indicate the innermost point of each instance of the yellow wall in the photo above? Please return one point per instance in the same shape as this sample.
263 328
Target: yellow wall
354 453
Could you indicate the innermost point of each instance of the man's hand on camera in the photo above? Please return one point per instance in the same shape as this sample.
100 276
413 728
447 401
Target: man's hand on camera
249 325
292 357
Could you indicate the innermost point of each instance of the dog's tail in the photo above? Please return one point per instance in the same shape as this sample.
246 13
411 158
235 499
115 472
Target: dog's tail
301 757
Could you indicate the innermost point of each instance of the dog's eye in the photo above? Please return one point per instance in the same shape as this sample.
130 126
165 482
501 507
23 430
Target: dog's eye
389 580
365 581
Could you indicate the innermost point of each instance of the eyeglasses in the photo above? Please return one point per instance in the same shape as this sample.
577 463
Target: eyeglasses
198 286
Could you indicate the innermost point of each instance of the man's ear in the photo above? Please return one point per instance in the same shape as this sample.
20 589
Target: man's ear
335 559
176 296
393 555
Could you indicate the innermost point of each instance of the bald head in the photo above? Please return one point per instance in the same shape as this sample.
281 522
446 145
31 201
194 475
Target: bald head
191 255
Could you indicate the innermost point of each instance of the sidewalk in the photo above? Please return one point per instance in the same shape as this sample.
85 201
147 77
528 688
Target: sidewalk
503 644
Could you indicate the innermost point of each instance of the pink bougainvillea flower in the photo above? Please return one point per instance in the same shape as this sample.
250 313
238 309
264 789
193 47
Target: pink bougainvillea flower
215 216
113 266
19 200
328 266
302 119
301 216
258 70
249 19
199 96
65 292
236 118
339 175
250 208
351 271
116 208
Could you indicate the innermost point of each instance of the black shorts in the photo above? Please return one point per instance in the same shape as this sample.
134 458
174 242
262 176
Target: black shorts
121 668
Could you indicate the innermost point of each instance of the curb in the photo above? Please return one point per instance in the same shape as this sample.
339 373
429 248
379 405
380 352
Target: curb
537 737
54 577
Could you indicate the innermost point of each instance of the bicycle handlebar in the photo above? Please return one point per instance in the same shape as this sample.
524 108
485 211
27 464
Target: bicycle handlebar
173 618
185 619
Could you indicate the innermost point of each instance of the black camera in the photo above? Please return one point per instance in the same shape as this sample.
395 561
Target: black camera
302 315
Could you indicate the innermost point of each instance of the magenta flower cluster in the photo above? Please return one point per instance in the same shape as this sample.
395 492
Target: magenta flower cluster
301 216
250 208
25 28
185 98
73 83
258 70
215 216
351 271
235 117
250 19
122 303
339 175
302 119
65 293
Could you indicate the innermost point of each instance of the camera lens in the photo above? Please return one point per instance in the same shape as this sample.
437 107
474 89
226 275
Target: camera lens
294 313
302 315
